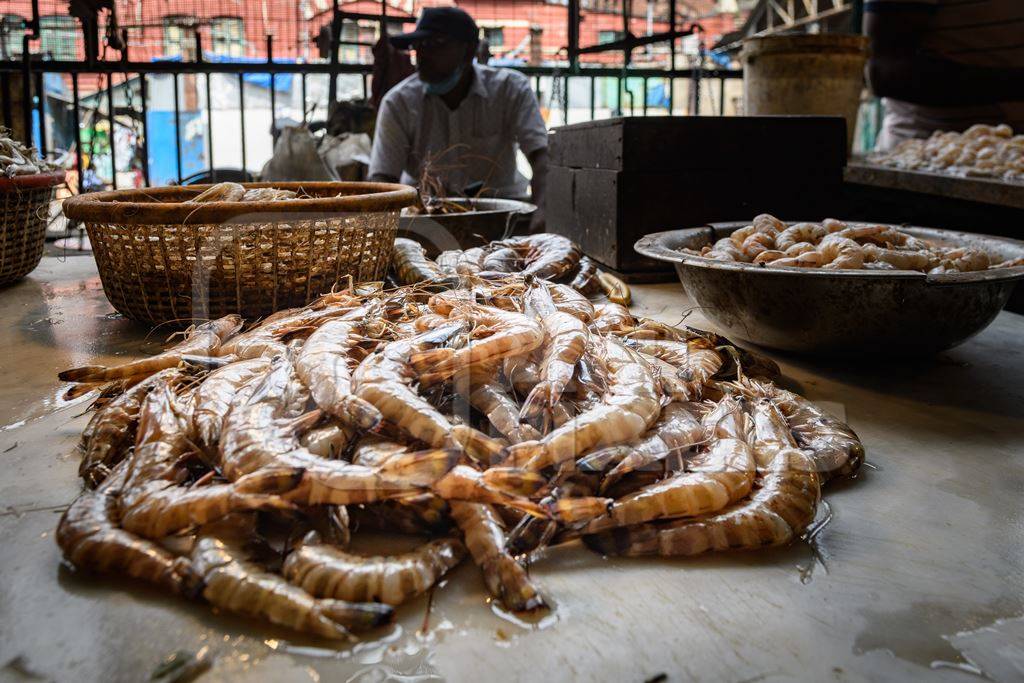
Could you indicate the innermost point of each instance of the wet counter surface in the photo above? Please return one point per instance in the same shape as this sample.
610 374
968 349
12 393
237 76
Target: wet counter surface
918 573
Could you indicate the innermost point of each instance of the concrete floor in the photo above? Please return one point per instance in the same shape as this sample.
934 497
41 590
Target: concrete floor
919 573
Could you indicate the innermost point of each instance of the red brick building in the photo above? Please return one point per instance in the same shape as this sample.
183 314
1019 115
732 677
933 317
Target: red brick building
532 30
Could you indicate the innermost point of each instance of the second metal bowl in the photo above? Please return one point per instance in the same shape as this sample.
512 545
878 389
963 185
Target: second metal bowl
841 311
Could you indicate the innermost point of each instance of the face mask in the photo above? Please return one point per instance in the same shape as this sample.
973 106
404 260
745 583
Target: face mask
448 84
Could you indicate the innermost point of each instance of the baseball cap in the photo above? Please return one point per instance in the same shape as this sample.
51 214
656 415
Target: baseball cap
440 21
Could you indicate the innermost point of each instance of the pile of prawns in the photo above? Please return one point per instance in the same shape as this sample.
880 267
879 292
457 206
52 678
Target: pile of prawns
496 418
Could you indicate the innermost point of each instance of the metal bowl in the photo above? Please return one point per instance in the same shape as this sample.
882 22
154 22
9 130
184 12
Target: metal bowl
841 311
486 221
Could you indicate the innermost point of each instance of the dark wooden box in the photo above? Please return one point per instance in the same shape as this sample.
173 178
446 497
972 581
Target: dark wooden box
611 182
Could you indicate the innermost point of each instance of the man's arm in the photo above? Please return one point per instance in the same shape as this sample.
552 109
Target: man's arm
538 185
901 69
391 145
532 135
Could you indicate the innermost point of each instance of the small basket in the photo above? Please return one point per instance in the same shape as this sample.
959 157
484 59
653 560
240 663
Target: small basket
24 212
161 259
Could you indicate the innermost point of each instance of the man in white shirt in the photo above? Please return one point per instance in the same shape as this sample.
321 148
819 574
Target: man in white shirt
461 119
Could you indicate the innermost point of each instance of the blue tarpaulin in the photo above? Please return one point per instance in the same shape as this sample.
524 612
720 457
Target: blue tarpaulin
282 82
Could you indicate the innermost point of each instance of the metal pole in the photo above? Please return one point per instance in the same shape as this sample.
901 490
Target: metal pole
8 112
145 129
303 98
112 119
593 97
209 130
241 117
78 129
41 94
644 95
177 129
721 96
273 90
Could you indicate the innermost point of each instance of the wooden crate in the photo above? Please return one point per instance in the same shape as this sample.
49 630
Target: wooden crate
614 181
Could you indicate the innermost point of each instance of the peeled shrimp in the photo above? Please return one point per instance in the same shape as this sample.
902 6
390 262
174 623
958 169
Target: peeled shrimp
899 259
800 232
232 583
485 538
327 572
202 340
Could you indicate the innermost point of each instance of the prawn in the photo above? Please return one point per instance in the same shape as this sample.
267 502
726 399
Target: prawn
322 364
585 281
327 572
568 300
628 409
485 539
611 317
489 397
412 265
678 428
782 505
231 583
214 396
496 334
694 360
90 538
152 503
111 431
898 258
807 233
565 341
201 340
546 255
722 475
385 380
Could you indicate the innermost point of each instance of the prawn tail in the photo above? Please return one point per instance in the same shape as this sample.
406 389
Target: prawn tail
356 616
360 413
273 480
303 423
477 445
514 480
539 398
577 510
79 390
88 373
421 468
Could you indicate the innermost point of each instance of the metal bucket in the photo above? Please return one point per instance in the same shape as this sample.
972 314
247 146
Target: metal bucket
841 311
488 220
805 74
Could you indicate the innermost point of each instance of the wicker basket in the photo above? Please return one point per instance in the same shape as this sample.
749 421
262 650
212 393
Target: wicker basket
161 259
24 211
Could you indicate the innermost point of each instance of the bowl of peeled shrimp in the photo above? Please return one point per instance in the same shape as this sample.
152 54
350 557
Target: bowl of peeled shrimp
842 287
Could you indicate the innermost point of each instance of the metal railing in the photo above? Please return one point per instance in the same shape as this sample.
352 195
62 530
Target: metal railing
560 84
